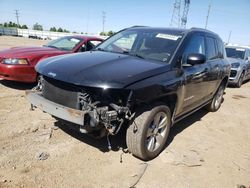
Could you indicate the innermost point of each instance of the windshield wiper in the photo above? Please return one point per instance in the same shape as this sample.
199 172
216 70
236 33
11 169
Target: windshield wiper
99 49
133 54
138 55
52 47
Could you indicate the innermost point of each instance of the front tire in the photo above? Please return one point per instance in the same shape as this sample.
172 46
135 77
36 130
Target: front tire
240 81
146 136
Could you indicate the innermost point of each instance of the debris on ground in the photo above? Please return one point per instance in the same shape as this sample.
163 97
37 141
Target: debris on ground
189 158
42 156
139 175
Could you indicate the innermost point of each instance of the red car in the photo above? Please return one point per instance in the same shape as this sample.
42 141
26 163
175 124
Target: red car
18 63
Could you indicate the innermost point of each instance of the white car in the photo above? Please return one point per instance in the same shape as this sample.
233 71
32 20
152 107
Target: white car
239 57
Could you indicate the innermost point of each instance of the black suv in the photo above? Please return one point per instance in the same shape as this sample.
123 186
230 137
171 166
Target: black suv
143 78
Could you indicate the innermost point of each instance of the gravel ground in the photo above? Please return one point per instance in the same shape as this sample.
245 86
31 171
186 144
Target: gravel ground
204 150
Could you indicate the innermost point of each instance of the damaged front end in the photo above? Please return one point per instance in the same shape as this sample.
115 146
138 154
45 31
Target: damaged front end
97 111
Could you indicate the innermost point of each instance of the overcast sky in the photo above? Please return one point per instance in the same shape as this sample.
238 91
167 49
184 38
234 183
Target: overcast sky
86 15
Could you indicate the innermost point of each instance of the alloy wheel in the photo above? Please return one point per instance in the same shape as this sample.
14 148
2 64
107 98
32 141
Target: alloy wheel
156 131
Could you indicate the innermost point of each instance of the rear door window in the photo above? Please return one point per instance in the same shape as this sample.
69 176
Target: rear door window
211 49
247 55
221 49
91 44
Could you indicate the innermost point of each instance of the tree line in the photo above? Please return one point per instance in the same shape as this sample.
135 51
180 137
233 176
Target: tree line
12 24
107 33
36 26
39 27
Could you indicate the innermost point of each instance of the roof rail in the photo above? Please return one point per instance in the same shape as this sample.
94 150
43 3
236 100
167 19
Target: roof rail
138 26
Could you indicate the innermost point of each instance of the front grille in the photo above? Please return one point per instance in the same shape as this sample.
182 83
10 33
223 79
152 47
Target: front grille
60 92
233 73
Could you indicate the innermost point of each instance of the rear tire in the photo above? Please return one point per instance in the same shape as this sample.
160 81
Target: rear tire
146 136
217 100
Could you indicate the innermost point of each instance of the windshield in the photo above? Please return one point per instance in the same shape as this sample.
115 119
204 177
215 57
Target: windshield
146 44
64 43
235 52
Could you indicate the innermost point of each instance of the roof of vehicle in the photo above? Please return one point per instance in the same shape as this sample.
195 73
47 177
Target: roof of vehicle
156 28
203 30
174 30
237 46
85 37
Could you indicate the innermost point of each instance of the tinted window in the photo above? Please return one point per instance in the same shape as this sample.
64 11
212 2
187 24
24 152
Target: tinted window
195 45
211 49
236 52
95 42
144 43
92 44
125 43
248 55
221 49
64 43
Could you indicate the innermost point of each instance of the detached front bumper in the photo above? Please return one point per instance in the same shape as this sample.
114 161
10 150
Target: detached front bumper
57 110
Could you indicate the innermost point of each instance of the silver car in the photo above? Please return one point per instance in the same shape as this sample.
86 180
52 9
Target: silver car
239 57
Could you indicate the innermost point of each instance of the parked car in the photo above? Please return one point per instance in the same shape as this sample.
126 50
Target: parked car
239 58
18 63
143 78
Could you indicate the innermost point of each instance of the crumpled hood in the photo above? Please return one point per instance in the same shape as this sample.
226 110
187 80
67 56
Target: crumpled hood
24 52
100 69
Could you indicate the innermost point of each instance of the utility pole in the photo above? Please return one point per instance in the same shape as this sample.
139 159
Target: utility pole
208 12
103 20
17 16
229 37
87 25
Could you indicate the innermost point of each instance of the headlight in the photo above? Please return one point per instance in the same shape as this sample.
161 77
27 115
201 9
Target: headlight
15 61
235 65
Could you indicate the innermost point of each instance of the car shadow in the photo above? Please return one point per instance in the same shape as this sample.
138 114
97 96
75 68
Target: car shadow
119 141
235 87
17 85
185 123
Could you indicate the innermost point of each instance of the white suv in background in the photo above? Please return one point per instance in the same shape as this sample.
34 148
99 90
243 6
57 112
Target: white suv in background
239 57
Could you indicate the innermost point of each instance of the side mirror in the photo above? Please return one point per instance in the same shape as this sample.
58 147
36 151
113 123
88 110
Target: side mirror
195 59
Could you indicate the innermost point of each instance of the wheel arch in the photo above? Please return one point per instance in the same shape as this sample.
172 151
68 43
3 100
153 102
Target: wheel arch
225 81
171 101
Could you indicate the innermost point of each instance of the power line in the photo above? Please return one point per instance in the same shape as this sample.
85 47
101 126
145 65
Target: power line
208 12
87 23
17 16
175 20
229 37
185 13
103 20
